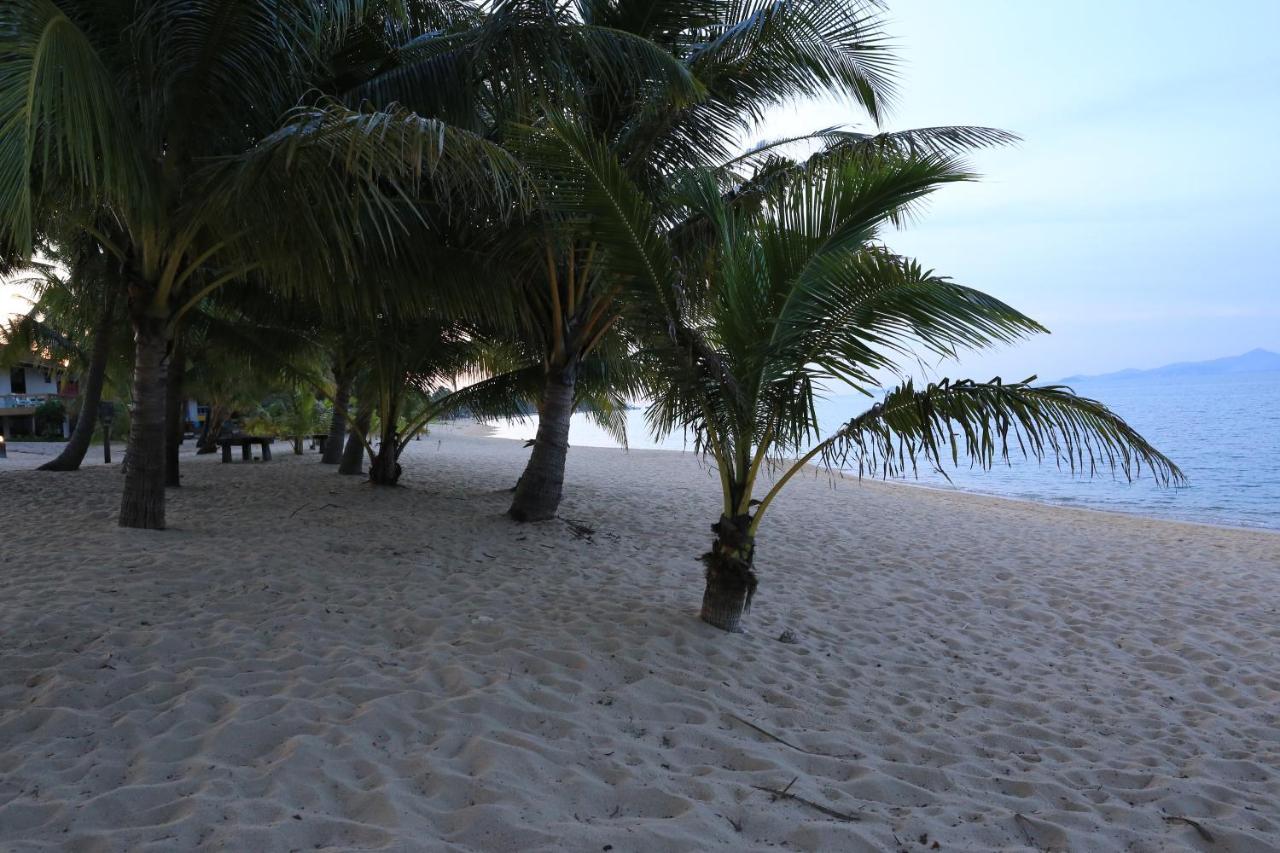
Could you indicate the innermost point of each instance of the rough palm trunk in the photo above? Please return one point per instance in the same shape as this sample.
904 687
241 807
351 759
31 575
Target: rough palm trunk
208 442
353 453
338 426
82 436
385 470
541 485
142 504
731 578
173 423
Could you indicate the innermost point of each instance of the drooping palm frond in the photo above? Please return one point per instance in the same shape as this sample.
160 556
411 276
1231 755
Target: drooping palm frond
62 122
28 335
773 50
608 378
222 66
582 181
836 142
355 180
752 56
511 395
984 421
433 74
499 66
623 64
854 312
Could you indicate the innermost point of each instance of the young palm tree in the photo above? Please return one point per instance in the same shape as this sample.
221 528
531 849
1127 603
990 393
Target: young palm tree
190 123
409 360
796 292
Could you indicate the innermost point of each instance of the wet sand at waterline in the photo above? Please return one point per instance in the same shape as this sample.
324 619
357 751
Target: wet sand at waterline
308 662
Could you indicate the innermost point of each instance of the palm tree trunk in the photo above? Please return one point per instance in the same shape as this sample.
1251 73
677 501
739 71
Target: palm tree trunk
208 442
541 485
142 504
338 426
82 436
385 470
353 453
173 424
731 578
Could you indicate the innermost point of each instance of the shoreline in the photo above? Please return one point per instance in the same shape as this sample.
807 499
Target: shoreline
28 459
480 430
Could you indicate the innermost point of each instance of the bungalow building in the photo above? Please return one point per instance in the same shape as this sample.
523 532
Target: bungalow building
23 388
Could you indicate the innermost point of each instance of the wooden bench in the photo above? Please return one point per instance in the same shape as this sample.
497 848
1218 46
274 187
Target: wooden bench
319 439
246 443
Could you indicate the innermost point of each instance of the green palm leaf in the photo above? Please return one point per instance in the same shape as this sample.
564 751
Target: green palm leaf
583 182
984 420
354 181
61 119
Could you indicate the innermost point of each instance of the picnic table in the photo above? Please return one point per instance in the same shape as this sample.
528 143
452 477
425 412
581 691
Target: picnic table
246 443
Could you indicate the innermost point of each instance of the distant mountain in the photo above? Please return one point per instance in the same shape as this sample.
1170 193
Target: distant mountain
1250 362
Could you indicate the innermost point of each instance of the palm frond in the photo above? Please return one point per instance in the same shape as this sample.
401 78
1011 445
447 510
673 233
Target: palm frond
214 58
583 182
775 50
355 181
511 395
983 421
62 122
852 312
622 61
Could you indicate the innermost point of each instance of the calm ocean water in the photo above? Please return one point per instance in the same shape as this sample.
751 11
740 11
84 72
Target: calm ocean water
1224 431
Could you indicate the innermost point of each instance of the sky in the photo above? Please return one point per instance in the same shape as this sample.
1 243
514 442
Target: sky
1138 218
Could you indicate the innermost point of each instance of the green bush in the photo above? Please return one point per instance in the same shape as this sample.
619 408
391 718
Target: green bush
49 418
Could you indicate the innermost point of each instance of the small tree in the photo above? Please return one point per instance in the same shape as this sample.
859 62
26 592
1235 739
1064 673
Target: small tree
49 416
298 415
777 298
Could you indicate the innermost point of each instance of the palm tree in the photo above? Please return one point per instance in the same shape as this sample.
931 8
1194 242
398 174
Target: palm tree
408 360
75 318
666 84
796 292
343 370
190 123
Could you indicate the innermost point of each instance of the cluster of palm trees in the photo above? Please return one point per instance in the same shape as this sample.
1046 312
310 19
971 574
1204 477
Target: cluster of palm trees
543 203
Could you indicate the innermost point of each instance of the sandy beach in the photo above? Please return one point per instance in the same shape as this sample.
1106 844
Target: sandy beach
306 662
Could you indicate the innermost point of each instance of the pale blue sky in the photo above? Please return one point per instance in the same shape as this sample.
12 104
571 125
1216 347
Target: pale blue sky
1138 218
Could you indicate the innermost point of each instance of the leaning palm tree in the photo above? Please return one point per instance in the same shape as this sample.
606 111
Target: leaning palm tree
194 125
75 319
797 292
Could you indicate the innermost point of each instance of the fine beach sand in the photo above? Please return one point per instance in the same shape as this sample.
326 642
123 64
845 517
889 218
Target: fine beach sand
306 662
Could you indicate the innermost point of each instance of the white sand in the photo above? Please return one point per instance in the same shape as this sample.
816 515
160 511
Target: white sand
307 662
23 455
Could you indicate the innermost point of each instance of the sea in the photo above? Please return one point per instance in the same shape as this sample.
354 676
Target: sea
1222 430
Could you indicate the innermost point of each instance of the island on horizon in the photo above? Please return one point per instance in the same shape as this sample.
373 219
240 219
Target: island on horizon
1254 361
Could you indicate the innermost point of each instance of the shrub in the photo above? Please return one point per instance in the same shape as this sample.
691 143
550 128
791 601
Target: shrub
50 416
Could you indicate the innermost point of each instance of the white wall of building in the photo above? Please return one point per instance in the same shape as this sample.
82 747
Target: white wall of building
37 383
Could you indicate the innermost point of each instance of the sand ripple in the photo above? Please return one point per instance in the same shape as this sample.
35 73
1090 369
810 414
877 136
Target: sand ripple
307 663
